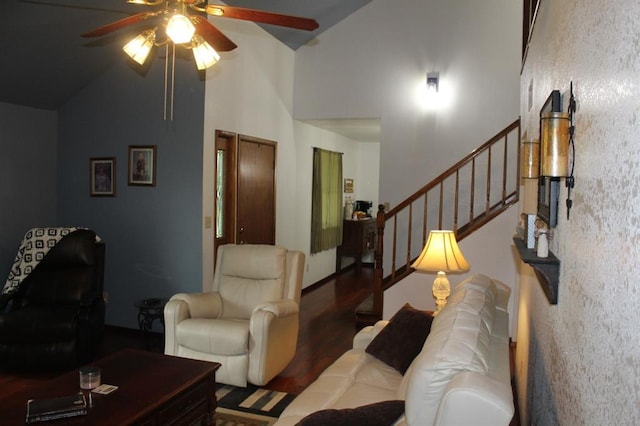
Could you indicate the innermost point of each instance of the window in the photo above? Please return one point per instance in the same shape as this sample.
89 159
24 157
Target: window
326 200
220 193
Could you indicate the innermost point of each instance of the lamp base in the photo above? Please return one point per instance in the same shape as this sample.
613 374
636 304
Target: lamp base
441 291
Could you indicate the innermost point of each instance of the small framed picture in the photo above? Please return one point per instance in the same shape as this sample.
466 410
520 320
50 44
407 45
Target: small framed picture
348 186
142 165
102 177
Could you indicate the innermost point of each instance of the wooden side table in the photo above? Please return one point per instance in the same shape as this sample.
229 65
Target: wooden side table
150 310
358 240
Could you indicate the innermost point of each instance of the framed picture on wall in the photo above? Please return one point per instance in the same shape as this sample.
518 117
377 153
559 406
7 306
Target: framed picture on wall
142 165
102 177
348 186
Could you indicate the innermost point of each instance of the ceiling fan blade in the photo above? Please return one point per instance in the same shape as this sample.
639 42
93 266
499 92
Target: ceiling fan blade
114 26
212 35
70 5
263 17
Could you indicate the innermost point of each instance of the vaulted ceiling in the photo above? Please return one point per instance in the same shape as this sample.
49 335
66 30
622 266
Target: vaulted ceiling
45 61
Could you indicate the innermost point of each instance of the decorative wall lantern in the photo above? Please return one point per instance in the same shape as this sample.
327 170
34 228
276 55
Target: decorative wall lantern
530 159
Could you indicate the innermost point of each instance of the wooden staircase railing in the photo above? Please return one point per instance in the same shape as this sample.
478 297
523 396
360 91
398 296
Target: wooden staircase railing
463 198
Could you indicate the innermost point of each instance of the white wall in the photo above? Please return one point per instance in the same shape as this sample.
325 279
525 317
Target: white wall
250 92
322 264
489 251
366 179
373 63
578 361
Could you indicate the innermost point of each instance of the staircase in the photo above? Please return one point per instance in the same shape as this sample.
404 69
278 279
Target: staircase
466 196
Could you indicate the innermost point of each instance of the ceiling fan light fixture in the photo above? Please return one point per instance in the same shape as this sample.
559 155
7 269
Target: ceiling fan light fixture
140 46
205 55
175 26
180 29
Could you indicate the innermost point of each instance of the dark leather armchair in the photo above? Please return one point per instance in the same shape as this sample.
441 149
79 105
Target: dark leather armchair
56 319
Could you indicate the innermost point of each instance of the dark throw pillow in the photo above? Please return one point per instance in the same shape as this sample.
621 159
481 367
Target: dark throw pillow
383 413
401 340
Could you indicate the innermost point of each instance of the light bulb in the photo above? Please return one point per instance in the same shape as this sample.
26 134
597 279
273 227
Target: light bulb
180 29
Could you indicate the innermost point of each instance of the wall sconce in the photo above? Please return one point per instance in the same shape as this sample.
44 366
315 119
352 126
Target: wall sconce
557 130
433 79
554 131
530 159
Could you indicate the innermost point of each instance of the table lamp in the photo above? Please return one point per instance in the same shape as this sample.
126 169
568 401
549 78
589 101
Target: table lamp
441 254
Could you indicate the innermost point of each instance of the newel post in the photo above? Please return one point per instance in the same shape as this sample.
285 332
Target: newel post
377 271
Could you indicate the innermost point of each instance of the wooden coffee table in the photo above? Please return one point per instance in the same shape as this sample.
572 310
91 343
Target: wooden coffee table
153 389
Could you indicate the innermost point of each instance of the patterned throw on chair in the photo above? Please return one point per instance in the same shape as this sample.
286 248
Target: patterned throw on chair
34 246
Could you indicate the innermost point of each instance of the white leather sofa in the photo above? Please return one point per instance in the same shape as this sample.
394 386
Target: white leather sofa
460 377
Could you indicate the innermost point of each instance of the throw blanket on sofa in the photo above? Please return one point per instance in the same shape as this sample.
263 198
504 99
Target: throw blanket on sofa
34 246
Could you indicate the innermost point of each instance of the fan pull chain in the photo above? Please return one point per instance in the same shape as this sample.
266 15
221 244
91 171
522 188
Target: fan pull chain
166 68
166 80
173 76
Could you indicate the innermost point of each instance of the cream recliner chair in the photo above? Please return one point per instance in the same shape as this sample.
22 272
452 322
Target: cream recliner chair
248 322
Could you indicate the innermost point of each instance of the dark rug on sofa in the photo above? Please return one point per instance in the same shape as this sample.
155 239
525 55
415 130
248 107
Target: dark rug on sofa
253 399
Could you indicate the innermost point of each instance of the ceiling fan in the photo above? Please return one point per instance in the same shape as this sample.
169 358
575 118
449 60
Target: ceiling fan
172 23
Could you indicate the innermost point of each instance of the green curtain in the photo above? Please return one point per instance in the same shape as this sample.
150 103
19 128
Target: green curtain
326 200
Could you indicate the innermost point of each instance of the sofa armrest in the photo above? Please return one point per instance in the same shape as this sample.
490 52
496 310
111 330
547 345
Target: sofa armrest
182 306
362 338
273 330
485 401
201 305
279 308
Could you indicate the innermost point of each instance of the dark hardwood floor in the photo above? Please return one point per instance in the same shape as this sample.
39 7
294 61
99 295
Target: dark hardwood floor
327 327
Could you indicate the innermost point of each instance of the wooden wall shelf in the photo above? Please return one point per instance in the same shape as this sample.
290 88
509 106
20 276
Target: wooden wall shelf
547 269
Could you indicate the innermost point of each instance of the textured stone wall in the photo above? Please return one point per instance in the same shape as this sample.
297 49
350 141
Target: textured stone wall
578 363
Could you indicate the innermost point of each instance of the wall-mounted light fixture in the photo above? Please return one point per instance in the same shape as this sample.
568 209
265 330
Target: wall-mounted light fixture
433 81
554 131
557 130
530 159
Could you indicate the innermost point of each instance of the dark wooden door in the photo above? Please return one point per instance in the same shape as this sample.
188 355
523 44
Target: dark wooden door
256 210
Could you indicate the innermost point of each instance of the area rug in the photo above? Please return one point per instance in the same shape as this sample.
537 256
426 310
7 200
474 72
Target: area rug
226 417
253 399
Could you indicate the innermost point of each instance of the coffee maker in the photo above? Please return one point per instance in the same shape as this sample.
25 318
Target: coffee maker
363 206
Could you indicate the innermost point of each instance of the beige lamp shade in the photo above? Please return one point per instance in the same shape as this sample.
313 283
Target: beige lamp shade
441 254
